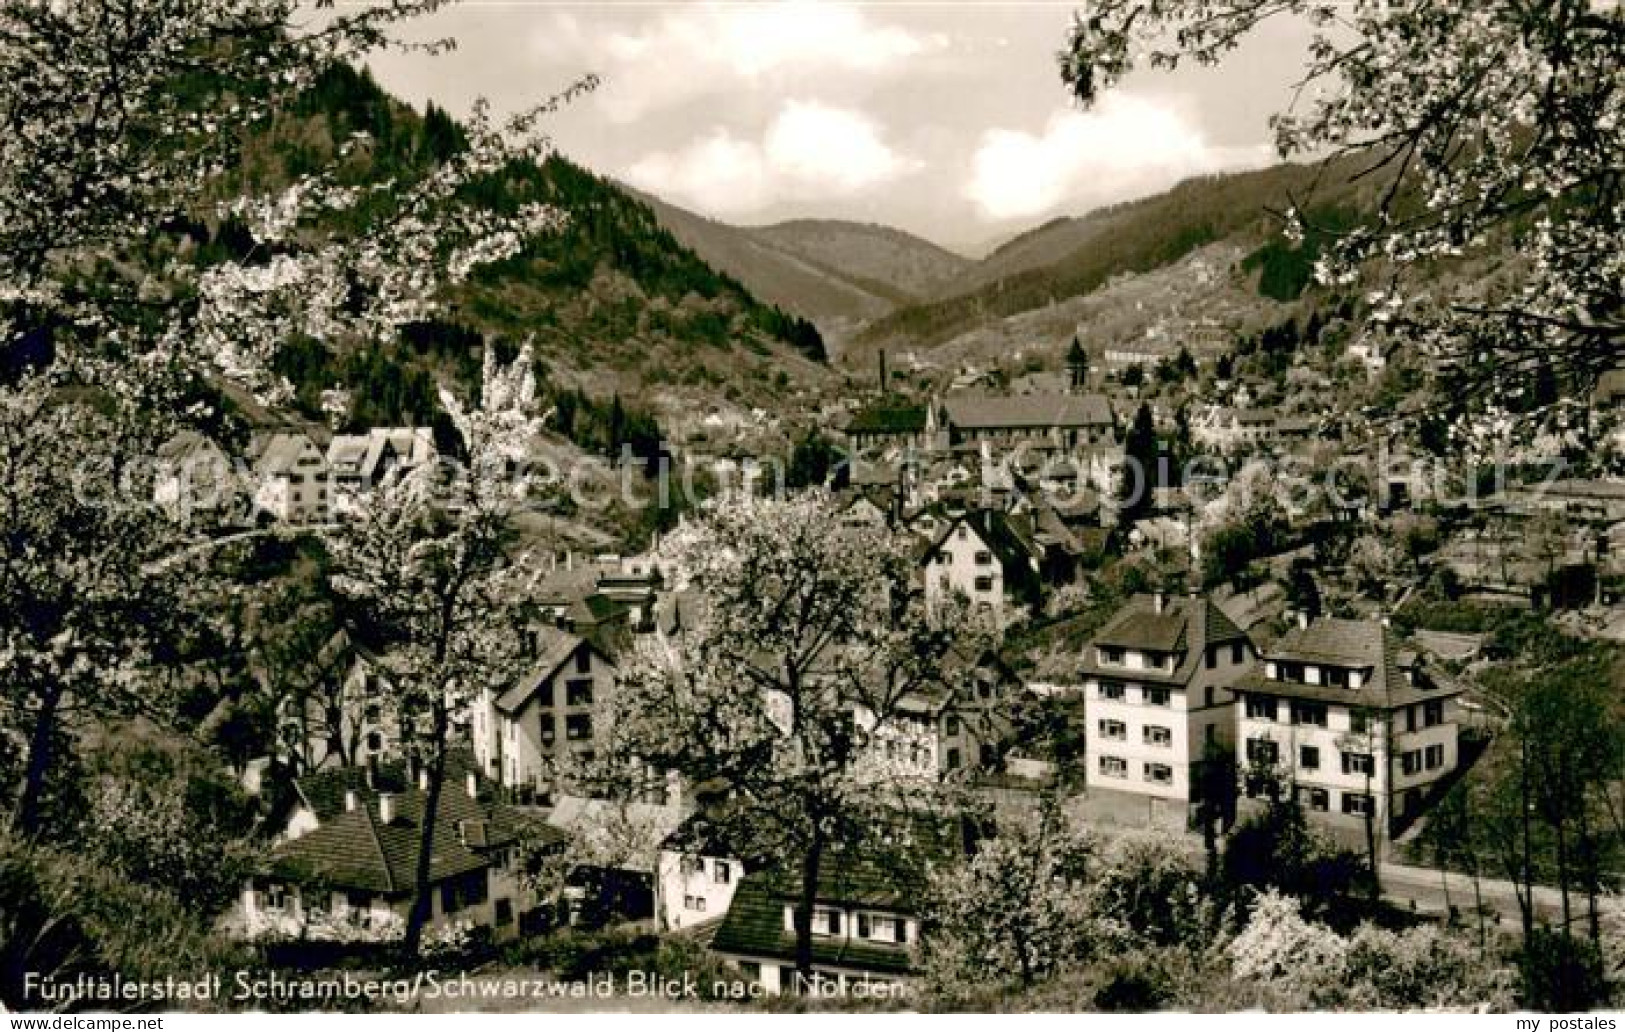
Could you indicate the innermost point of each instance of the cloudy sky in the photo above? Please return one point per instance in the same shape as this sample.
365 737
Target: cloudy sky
947 119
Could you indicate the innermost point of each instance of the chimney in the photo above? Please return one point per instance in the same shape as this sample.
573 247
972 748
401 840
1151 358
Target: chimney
386 808
1303 619
473 786
349 800
372 771
1160 601
569 560
423 779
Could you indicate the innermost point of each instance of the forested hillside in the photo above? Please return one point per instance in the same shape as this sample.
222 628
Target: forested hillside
613 303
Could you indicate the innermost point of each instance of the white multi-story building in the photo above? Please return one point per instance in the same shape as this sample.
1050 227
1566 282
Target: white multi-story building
292 479
1157 698
1350 721
980 556
1157 680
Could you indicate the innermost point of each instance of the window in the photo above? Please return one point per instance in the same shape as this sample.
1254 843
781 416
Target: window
1359 721
1212 658
545 730
1262 750
1356 803
578 727
690 865
1309 757
1159 773
864 926
961 533
1111 690
1313 713
1156 696
544 694
953 759
984 558
1154 735
1357 763
1115 730
1337 677
504 912
1237 652
1207 696
1260 708
695 903
276 896
583 660
1317 799
1111 654
1410 718
900 926
1411 762
952 727
1433 712
827 921
1114 767
722 873
578 693
984 584
1434 757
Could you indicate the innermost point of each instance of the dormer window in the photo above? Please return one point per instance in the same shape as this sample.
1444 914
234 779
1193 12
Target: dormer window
1111 654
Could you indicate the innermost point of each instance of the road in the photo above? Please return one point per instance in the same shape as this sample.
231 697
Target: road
1427 890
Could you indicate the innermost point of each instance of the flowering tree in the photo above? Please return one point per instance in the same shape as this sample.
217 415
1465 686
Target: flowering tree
811 640
1480 123
1017 910
79 612
426 579
126 123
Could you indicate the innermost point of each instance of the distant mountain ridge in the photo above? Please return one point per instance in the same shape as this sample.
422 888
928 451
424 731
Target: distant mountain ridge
870 286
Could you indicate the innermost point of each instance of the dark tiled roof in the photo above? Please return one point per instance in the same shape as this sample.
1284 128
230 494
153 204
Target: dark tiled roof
888 419
888 876
553 649
754 927
1185 627
1012 548
1356 645
356 849
1028 411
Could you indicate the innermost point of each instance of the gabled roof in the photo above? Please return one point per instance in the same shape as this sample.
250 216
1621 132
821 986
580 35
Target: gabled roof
282 451
355 849
888 419
1028 411
553 649
1185 627
1365 645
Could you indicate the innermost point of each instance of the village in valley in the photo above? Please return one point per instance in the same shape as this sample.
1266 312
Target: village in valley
435 576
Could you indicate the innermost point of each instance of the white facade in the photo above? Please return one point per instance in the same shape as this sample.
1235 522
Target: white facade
692 889
1146 736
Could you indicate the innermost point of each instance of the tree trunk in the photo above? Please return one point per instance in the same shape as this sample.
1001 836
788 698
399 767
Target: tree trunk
1527 901
30 806
811 861
422 901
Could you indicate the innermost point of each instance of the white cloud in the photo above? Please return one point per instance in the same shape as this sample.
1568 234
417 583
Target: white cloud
699 50
717 173
1126 147
830 147
810 151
